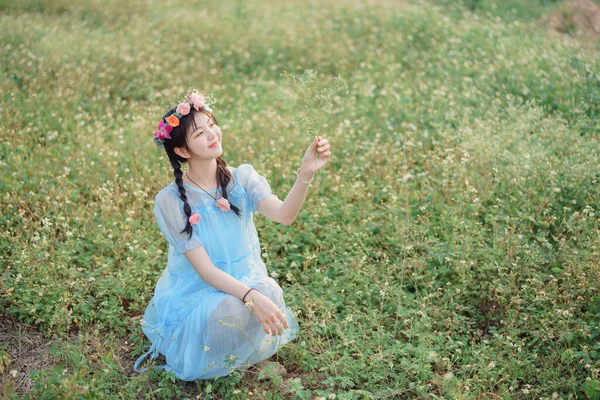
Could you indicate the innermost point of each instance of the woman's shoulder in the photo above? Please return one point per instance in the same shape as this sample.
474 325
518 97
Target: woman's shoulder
167 194
245 171
244 167
242 172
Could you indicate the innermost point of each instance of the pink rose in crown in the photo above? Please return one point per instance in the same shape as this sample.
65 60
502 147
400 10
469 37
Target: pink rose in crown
194 218
183 108
223 204
197 100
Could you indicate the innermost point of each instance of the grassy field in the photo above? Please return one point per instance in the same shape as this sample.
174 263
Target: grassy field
450 248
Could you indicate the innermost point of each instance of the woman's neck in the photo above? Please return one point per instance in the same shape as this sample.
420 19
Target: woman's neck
203 173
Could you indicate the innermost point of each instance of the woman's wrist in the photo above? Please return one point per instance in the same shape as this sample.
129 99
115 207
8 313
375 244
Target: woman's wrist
304 174
251 295
244 297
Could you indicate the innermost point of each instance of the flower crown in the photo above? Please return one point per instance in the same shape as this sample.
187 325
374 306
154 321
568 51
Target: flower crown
166 125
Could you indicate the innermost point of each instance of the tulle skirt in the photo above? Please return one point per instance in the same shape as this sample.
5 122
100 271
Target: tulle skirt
219 335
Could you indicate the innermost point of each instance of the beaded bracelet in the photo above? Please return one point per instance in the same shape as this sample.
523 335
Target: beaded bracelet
298 175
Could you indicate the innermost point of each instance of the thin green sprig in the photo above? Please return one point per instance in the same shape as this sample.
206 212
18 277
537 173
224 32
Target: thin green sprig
315 104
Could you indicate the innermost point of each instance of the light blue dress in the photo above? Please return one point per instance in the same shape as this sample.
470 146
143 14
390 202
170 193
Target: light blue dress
202 331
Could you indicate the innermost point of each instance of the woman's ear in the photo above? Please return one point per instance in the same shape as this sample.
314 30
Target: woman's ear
181 152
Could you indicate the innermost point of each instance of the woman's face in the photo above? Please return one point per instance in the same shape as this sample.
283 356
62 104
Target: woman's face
204 134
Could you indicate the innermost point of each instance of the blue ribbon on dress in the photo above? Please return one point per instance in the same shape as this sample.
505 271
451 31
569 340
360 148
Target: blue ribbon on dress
153 349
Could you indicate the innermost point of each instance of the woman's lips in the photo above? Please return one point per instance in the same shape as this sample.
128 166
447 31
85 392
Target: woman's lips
214 145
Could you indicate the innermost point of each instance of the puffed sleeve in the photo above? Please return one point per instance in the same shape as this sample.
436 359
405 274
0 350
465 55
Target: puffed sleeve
171 220
255 185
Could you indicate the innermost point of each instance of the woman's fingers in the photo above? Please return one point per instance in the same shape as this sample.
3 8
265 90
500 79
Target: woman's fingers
266 328
274 327
270 317
283 320
281 323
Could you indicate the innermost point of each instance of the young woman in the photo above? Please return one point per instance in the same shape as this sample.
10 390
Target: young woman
215 308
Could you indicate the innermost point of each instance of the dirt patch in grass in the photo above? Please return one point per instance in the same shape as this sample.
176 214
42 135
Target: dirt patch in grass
28 350
580 19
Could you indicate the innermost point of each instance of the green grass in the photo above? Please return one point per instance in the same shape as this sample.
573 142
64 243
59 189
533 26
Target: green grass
448 250
508 10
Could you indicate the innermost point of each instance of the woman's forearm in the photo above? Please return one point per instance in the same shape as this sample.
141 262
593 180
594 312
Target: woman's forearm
293 201
213 275
224 282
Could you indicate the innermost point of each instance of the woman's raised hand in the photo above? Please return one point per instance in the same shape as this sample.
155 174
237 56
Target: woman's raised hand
311 162
267 313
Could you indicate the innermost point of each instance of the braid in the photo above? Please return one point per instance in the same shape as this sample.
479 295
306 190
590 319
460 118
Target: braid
186 207
223 177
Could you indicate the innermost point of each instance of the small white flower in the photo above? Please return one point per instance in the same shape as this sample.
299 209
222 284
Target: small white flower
14 373
331 395
206 348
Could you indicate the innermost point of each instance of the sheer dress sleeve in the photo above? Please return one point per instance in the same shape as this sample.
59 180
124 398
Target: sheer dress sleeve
171 220
255 185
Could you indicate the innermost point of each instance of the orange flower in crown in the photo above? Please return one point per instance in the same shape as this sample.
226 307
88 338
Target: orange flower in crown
173 121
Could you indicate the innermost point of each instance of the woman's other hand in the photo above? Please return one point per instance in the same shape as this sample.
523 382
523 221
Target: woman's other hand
267 313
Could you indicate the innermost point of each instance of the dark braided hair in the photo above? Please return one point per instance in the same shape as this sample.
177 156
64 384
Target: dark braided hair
179 139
